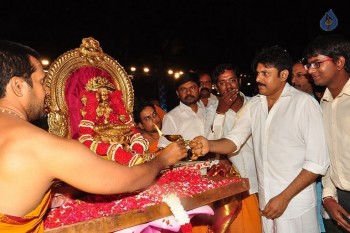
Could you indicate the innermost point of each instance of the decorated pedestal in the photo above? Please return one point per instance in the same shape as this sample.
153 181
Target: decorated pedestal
109 213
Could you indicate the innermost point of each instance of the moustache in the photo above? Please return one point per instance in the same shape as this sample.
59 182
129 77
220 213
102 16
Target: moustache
260 84
205 89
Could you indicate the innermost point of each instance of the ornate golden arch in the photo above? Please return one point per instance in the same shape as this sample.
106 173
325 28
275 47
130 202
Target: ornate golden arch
61 72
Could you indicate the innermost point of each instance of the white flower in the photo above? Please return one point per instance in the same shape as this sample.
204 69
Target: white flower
176 208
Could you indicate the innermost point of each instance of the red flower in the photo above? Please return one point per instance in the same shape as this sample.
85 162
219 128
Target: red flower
123 157
102 148
184 181
85 130
186 228
91 105
117 103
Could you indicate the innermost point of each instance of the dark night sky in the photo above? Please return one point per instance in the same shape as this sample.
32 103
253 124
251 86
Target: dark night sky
162 34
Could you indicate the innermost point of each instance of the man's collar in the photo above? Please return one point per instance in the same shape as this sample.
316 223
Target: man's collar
327 96
211 100
184 107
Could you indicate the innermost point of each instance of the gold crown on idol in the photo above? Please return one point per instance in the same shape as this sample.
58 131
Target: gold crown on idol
97 82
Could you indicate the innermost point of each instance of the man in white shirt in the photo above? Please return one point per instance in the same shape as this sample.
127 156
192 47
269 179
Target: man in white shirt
207 99
329 65
189 117
289 145
303 81
227 80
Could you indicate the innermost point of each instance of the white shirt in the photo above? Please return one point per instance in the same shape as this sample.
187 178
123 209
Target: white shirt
210 110
336 119
243 160
182 120
288 138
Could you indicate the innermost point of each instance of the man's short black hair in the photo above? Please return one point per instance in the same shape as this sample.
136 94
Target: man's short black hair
187 77
274 56
330 45
139 107
220 69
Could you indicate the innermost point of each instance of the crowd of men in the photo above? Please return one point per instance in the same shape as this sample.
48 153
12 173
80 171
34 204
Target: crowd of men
291 139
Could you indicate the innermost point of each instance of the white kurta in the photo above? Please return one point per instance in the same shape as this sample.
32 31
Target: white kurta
288 138
244 159
182 120
210 110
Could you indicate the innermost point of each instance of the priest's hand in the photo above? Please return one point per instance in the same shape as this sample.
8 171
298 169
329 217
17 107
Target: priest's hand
174 152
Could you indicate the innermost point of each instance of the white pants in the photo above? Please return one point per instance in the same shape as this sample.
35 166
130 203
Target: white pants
306 223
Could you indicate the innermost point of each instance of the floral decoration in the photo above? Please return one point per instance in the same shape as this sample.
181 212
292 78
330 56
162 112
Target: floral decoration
178 211
184 182
131 154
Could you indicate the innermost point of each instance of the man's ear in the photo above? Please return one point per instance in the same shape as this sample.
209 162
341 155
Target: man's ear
140 125
177 93
284 75
16 84
340 63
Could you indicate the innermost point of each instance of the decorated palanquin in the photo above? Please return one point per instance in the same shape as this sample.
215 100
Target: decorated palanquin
91 100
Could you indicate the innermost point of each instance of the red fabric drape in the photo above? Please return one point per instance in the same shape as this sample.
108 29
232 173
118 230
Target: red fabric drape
74 85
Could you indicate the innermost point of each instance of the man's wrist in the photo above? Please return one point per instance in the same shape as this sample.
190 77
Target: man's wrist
160 160
328 199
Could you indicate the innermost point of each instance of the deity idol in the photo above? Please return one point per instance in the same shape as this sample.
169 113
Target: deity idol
107 128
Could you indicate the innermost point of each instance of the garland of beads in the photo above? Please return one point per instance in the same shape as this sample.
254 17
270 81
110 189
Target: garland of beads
12 113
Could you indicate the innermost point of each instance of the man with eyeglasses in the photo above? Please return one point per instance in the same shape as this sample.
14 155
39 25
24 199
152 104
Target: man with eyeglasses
288 141
328 60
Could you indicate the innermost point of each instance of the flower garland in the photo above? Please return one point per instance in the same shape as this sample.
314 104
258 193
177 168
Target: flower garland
96 112
179 212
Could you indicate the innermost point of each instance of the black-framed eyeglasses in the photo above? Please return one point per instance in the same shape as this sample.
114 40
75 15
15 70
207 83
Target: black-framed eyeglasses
317 64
